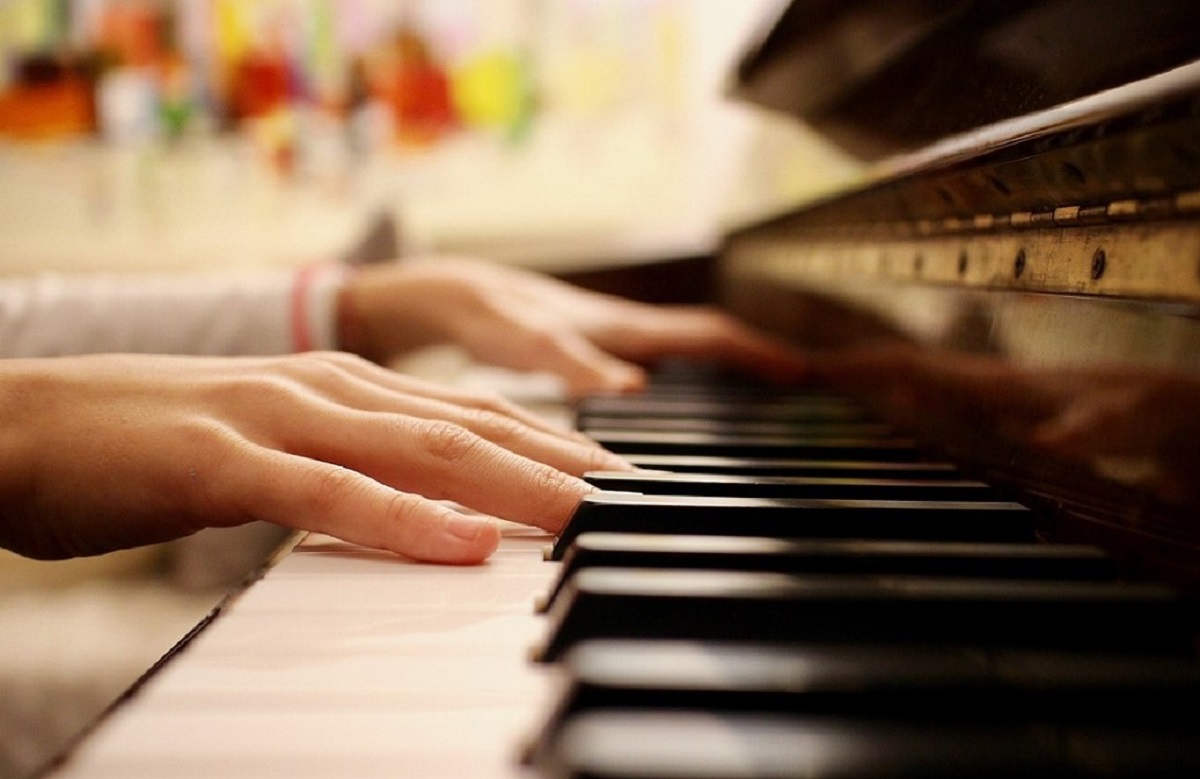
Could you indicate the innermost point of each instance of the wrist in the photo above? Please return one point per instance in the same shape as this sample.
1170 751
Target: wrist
384 311
25 388
351 334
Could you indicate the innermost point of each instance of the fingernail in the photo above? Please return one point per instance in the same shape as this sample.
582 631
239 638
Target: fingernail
466 527
625 378
633 381
620 463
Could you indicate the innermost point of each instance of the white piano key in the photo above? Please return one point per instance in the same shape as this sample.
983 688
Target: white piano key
345 662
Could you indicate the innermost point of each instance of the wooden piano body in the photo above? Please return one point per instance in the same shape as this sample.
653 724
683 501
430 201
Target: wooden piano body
1015 287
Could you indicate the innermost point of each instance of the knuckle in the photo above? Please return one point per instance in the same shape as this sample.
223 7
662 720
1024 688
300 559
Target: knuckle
552 496
331 486
336 358
345 362
204 434
213 450
493 402
402 512
271 387
550 482
543 339
448 441
494 425
315 367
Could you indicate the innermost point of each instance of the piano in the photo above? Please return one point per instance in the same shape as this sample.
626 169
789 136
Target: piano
970 547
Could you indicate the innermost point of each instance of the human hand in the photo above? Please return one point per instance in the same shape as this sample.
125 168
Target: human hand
106 452
528 321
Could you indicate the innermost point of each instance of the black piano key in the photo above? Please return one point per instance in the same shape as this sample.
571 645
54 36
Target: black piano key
674 428
621 744
833 556
739 390
634 407
761 445
740 486
878 519
669 604
946 684
784 466
811 429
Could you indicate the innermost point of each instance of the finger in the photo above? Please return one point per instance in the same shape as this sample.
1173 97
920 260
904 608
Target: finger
305 494
342 391
1098 427
566 455
585 368
538 343
364 421
703 333
445 461
363 384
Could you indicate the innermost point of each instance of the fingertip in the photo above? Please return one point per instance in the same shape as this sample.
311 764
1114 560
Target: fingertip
635 380
622 377
616 462
467 539
619 378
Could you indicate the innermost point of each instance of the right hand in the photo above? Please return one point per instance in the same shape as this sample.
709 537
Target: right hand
105 452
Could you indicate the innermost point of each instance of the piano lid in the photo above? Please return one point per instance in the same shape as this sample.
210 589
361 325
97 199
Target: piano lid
883 76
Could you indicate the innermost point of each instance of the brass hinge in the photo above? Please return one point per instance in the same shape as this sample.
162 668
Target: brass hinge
1176 206
1136 248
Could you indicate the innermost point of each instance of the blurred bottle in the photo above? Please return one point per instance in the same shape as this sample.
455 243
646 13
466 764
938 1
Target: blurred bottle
260 85
178 103
147 92
48 97
492 73
493 90
408 78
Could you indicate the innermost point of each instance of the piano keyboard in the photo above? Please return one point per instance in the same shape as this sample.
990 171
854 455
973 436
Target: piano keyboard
792 590
843 606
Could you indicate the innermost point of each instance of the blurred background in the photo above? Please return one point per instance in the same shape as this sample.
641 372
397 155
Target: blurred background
184 133
177 135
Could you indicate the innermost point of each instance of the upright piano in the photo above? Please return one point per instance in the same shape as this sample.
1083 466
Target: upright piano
969 547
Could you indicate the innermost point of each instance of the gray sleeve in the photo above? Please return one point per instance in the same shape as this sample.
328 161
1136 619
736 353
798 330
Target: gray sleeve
269 312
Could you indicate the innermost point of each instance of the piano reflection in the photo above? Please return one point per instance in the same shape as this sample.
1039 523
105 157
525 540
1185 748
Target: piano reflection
970 547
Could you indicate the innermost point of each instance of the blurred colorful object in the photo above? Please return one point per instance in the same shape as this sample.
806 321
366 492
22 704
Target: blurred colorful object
47 99
146 70
493 91
259 84
408 79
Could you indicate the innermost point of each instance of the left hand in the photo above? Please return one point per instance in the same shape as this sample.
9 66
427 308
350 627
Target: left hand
527 321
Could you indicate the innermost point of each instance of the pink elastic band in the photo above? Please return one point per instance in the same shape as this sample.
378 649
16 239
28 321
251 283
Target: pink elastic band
302 339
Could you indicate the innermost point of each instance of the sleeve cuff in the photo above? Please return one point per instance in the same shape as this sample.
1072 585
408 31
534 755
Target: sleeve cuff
313 319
